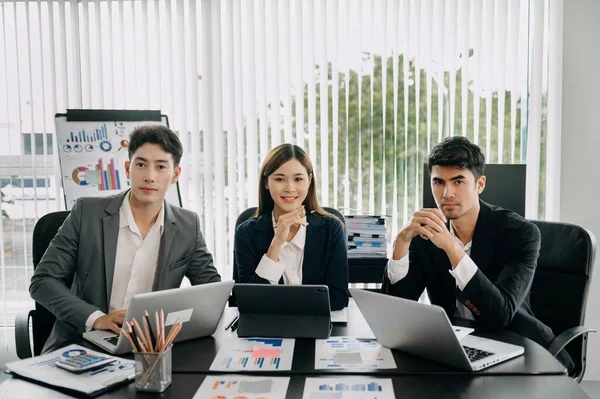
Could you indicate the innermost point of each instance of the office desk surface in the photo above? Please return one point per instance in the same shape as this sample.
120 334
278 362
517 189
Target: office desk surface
464 387
196 356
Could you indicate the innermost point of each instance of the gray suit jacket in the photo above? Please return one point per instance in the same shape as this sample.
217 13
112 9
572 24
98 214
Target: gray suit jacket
84 250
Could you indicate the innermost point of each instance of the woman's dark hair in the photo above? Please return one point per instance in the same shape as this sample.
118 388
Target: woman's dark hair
275 158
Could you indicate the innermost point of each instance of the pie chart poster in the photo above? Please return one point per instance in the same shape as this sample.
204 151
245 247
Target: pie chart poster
92 158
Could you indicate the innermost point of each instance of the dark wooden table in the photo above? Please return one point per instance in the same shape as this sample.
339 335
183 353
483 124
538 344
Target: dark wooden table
440 386
196 356
536 374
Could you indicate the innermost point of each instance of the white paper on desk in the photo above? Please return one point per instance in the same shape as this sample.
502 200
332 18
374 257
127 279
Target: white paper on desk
183 316
14 388
462 332
355 387
352 353
239 354
227 387
43 368
339 316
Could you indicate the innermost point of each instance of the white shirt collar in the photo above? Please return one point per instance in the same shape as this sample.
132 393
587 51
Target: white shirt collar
467 246
300 238
126 217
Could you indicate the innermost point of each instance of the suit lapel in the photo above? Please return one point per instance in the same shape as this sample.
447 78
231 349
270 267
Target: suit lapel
265 233
169 232
313 255
110 230
482 249
442 263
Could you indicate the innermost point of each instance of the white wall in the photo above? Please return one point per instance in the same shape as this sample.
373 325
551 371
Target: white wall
580 168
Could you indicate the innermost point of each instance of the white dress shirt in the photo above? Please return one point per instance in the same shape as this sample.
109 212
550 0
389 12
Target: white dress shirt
462 273
291 255
135 261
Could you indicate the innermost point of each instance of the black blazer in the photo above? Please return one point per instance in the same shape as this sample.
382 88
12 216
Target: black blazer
325 254
505 249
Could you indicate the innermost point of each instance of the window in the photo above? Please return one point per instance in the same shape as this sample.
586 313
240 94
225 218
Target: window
366 87
24 182
39 144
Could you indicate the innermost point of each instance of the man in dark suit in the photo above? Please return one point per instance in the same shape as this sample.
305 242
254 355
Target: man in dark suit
476 260
110 249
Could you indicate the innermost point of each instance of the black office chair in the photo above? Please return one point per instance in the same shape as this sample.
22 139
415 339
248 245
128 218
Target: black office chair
560 288
42 320
505 187
564 266
247 214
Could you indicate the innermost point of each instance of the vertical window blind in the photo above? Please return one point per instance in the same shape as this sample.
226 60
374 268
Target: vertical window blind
366 87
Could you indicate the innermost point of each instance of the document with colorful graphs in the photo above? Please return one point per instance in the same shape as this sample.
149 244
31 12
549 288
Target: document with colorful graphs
356 387
242 387
255 354
352 353
44 369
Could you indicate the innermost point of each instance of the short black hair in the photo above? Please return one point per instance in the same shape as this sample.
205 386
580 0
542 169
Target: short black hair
458 152
156 134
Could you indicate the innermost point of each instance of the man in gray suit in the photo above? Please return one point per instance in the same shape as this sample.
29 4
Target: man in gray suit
113 248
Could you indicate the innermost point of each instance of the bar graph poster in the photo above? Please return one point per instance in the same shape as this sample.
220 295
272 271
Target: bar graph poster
92 158
255 354
242 387
357 387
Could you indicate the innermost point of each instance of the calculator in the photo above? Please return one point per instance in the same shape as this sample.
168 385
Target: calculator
83 362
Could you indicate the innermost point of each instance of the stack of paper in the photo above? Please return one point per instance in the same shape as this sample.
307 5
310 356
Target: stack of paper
43 369
366 236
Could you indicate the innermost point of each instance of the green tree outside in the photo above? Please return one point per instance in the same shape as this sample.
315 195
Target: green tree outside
403 148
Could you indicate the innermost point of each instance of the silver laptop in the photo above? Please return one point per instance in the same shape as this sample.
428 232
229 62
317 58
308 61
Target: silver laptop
424 330
199 307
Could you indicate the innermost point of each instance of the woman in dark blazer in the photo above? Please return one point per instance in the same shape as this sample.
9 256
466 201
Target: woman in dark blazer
291 239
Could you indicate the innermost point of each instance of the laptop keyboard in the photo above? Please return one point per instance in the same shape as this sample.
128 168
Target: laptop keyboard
112 340
476 354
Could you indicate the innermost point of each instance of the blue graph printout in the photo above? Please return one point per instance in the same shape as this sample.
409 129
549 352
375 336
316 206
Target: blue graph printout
254 354
355 387
242 387
352 353
43 368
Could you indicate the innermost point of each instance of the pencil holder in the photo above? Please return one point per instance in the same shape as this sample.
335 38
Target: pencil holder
153 370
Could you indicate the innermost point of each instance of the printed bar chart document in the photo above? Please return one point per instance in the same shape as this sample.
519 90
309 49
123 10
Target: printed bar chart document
255 354
237 387
43 369
356 387
352 353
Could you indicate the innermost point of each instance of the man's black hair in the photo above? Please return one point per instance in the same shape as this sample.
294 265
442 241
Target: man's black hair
156 134
458 152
